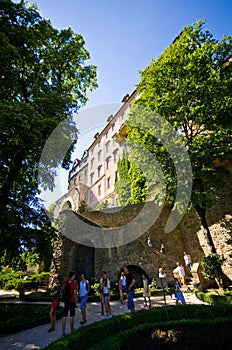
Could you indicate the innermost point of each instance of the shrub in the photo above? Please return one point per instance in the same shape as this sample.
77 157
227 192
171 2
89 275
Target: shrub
97 332
17 317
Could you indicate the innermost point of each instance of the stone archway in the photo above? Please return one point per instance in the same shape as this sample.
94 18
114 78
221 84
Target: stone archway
66 205
137 272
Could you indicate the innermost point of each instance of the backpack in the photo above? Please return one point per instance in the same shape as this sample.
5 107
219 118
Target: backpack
66 293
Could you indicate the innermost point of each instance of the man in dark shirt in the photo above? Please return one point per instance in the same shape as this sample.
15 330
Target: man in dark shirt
130 286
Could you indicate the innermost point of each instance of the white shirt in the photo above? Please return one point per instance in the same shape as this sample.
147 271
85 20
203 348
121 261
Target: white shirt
162 275
187 259
105 288
181 271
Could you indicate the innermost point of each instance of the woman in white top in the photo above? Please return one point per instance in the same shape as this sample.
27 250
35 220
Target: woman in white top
105 285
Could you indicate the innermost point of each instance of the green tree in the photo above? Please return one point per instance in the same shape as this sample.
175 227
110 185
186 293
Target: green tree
211 268
44 80
123 185
190 86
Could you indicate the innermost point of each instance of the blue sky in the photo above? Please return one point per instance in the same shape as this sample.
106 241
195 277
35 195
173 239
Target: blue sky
123 36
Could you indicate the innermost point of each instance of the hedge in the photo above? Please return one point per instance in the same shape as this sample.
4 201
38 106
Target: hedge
214 299
18 317
88 336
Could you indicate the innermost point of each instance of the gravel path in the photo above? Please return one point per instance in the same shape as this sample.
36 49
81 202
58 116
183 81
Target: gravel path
38 337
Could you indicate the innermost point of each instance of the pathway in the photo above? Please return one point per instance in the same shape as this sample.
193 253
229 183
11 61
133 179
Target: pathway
38 337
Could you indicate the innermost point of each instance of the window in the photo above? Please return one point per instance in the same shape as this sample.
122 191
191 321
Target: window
99 155
108 182
107 146
91 163
116 153
91 178
99 190
86 172
80 177
99 171
112 127
116 176
107 135
107 163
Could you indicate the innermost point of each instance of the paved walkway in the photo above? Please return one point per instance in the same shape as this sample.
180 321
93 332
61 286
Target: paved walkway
38 337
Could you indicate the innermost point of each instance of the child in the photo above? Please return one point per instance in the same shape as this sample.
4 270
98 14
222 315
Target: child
146 290
178 294
55 304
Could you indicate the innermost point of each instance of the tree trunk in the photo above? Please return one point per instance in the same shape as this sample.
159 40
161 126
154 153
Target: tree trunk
202 214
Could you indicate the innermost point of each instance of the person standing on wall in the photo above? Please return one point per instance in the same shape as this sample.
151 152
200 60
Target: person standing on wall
130 286
70 304
83 294
188 261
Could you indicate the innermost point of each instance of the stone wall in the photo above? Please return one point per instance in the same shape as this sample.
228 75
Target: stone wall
187 236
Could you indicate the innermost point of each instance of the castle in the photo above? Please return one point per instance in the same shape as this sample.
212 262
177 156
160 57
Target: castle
91 182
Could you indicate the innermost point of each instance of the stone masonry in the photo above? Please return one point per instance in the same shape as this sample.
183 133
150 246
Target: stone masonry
187 236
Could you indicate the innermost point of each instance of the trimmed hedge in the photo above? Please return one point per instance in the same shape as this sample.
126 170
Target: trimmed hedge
214 299
88 336
18 317
172 333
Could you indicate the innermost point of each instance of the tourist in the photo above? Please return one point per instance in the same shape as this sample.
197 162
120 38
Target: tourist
162 250
178 294
83 295
130 286
70 304
163 281
188 261
179 273
105 285
146 290
149 242
101 295
55 303
122 287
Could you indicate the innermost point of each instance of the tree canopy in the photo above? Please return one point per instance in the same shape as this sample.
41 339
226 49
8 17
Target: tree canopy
190 85
44 80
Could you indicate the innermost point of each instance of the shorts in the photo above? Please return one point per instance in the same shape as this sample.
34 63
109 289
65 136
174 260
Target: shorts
130 301
69 307
55 304
83 302
105 295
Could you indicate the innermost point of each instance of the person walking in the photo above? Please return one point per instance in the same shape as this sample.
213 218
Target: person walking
105 285
179 272
163 281
70 303
55 303
83 294
146 290
130 286
178 294
188 261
